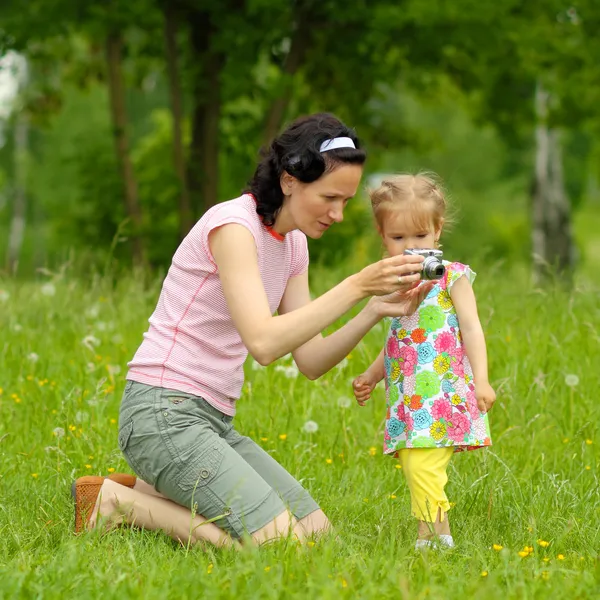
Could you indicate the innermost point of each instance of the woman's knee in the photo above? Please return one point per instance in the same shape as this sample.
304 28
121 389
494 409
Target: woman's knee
281 526
313 524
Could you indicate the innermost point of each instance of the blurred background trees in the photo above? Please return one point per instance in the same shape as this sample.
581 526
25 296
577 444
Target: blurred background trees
122 122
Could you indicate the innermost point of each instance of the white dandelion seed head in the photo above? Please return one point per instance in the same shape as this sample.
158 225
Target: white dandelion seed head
48 289
101 326
311 427
91 366
290 372
114 369
58 432
572 380
33 357
90 342
117 338
17 328
81 416
344 402
93 311
4 296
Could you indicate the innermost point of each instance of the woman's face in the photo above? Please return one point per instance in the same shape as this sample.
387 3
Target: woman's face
315 207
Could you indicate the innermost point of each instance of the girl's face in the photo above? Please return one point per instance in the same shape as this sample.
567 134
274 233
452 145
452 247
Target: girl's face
400 230
315 207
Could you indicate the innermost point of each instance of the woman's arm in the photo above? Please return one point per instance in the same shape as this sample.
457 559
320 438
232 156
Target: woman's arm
464 301
320 354
269 337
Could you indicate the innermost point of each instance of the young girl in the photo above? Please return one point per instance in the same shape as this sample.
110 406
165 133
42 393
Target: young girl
434 362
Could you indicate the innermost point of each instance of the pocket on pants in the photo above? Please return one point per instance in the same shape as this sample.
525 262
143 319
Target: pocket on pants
202 470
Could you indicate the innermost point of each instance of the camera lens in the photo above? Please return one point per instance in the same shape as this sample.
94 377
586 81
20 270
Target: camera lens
438 271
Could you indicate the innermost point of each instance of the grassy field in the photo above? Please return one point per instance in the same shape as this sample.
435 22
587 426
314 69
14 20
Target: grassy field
526 510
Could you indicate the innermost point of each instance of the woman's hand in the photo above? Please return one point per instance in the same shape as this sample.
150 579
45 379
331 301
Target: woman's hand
402 303
393 274
363 387
486 396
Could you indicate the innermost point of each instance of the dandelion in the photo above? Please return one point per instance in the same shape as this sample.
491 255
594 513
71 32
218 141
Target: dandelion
58 432
93 311
48 289
283 436
365 499
81 416
311 427
344 402
118 339
310 543
88 466
523 554
90 342
113 369
113 421
572 380
17 399
372 451
91 457
209 568
17 328
264 439
344 583
328 461
560 556
566 440
34 475
398 466
4 296
545 575
484 573
546 559
290 372
111 469
543 543
33 357
392 496
1 391
267 569
72 428
589 442
91 367
497 547
587 467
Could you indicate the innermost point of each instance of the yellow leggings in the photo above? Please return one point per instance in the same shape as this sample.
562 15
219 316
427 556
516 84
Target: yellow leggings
426 476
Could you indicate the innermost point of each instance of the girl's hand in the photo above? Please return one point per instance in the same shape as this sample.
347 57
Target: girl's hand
402 303
363 386
486 396
397 273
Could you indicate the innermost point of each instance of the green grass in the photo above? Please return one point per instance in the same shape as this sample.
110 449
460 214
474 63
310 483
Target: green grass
539 481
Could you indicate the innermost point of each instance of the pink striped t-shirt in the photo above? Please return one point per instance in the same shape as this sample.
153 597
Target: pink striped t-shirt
192 344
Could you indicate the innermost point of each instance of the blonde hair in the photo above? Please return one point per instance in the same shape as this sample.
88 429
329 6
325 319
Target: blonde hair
422 193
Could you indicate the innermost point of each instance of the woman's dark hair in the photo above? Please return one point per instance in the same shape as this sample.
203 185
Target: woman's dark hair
296 151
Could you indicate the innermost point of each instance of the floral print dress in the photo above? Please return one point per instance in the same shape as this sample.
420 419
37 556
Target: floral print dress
429 385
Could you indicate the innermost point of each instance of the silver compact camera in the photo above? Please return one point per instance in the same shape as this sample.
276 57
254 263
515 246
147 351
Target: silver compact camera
433 267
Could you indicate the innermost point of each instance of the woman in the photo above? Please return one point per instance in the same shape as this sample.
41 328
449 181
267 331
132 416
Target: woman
244 261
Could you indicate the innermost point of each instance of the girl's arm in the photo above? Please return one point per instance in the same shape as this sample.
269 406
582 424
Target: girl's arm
364 384
269 337
464 301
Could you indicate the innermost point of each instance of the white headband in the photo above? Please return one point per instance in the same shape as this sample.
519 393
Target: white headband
339 142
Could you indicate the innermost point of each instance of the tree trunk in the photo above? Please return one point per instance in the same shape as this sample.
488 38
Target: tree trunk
204 149
116 88
294 59
19 215
186 217
552 239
